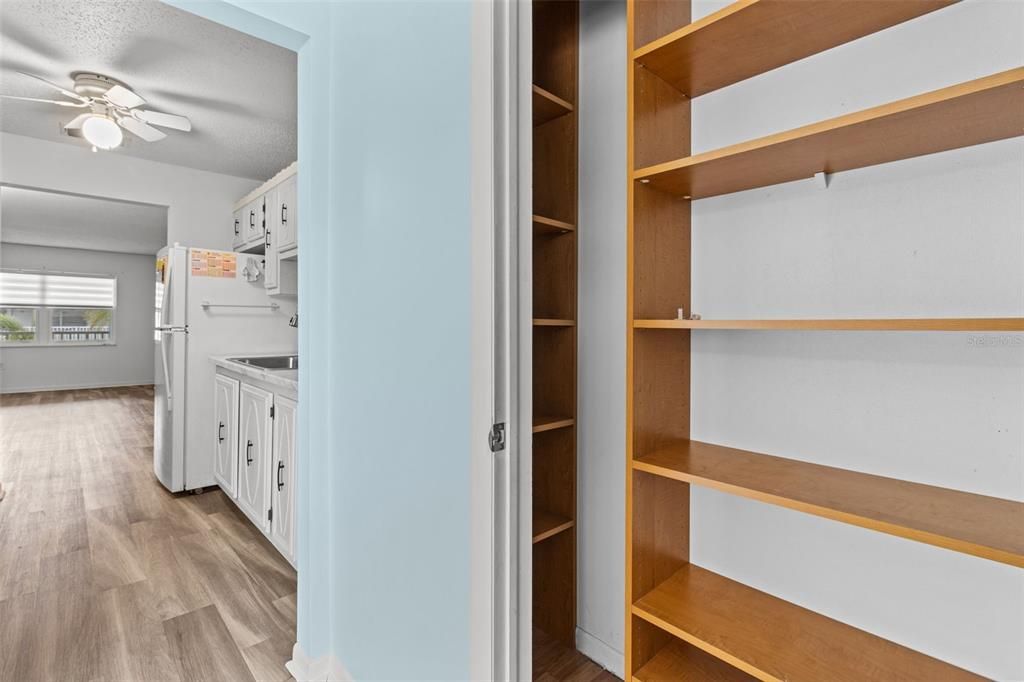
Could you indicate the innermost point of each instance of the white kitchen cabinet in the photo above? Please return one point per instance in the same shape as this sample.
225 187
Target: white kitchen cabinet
238 238
270 208
286 214
254 464
254 223
225 419
255 435
282 497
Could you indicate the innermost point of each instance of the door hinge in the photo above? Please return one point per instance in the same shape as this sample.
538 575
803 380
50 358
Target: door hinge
270 514
496 438
271 411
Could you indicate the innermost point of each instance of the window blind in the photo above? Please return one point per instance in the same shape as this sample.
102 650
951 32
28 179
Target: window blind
65 291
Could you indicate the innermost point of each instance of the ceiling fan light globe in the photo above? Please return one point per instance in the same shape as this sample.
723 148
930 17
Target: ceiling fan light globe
102 132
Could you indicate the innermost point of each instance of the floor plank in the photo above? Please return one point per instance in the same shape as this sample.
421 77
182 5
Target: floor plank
203 649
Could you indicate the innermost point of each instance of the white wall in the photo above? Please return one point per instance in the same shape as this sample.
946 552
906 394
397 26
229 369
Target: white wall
199 203
937 235
128 362
601 464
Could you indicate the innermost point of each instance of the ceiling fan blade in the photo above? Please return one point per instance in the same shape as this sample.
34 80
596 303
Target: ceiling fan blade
77 121
47 101
143 130
64 91
165 120
123 97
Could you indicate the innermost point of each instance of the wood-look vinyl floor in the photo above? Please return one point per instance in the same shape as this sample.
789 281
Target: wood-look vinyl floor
555 662
107 577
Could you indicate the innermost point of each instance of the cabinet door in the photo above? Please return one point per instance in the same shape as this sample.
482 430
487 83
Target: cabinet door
225 420
287 213
254 443
240 217
271 264
282 498
253 221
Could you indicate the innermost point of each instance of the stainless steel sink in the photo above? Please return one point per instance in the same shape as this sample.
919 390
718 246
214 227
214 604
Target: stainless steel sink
271 361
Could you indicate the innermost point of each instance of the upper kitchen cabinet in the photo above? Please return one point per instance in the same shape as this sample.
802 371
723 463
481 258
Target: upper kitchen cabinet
268 208
266 221
285 216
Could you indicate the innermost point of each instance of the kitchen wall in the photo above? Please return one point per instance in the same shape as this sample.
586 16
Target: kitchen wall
199 203
127 363
932 236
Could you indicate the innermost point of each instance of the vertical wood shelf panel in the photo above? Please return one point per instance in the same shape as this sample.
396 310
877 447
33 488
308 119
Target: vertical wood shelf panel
555 159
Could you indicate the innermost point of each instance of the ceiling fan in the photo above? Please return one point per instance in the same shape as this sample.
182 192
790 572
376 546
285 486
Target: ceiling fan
111 105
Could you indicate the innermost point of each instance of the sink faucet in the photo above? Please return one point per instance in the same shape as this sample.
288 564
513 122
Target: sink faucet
294 321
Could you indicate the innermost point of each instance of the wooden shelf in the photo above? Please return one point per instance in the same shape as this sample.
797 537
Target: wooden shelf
773 639
541 424
678 661
987 527
546 525
982 110
937 324
542 225
750 37
547 106
550 322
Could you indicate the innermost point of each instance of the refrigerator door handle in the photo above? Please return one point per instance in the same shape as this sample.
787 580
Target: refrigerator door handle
167 376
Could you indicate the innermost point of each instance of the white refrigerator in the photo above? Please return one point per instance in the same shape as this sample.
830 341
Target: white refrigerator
205 306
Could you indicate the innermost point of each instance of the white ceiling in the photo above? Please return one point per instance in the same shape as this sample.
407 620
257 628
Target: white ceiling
239 92
29 216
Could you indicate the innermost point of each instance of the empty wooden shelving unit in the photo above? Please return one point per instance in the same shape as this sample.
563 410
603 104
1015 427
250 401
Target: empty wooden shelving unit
683 621
555 76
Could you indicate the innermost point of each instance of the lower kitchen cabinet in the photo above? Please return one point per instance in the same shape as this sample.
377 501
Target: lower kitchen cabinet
225 450
255 431
282 497
254 454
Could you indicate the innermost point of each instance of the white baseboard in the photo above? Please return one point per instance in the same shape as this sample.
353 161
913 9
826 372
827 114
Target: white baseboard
324 669
600 653
74 387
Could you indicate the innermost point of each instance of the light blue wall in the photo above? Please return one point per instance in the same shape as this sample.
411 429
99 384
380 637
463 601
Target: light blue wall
385 309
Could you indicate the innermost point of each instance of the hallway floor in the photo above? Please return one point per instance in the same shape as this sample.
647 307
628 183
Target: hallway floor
105 576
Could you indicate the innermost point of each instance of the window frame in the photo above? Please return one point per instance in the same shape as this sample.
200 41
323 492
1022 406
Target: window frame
44 314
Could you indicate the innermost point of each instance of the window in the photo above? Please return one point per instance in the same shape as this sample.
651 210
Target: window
40 308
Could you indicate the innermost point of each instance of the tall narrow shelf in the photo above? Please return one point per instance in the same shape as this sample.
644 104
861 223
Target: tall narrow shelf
982 110
988 527
750 37
773 639
554 95
682 621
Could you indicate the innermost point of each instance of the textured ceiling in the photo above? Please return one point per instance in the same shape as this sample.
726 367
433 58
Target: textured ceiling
239 92
29 216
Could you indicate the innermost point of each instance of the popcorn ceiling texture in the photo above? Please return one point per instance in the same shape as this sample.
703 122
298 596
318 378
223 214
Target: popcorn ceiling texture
239 92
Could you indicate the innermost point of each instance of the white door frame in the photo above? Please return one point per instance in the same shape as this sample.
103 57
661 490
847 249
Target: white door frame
500 602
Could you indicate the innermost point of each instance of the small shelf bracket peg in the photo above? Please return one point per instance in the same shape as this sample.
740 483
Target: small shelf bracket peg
822 179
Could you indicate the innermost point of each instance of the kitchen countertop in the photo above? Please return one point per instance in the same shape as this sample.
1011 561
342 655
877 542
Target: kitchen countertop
285 378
